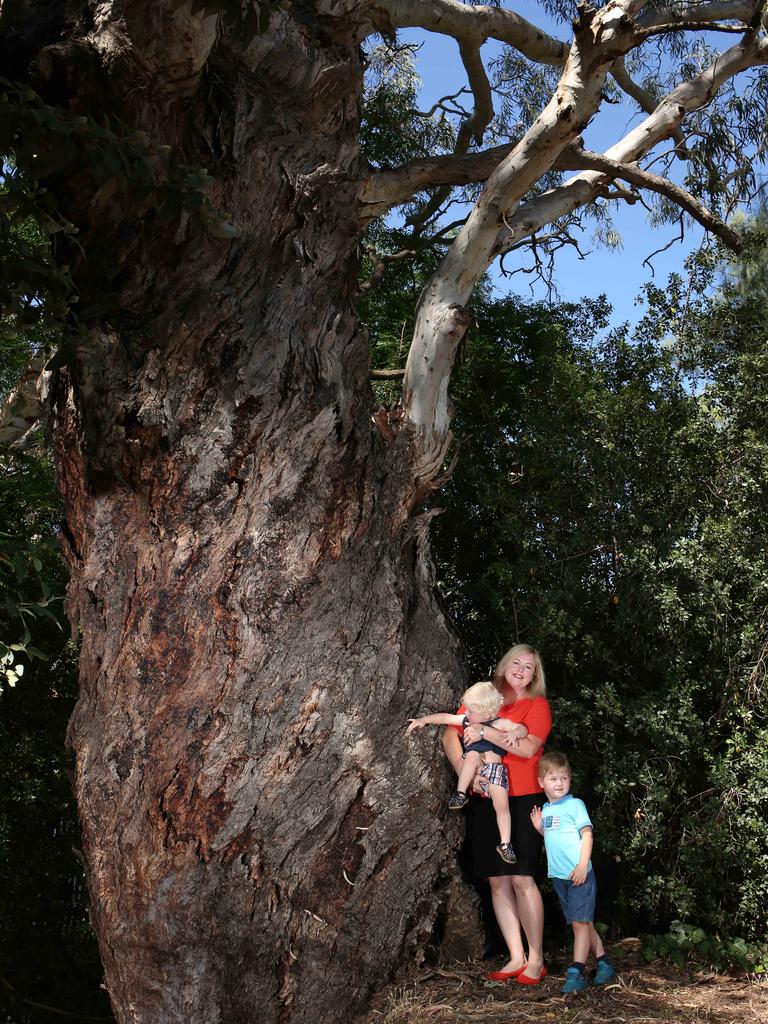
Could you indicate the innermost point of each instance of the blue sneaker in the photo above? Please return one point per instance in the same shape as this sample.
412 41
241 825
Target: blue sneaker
575 981
605 973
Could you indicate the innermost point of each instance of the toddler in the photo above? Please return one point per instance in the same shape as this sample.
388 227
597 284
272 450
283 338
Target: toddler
482 702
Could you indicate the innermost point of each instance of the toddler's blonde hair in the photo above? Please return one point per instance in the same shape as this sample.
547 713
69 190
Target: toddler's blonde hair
483 697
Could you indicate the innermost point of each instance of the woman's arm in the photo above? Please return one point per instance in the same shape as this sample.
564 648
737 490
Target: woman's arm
526 747
441 718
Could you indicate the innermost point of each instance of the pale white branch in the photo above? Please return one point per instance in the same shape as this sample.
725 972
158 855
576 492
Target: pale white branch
497 221
601 36
475 25
644 99
687 97
22 409
469 25
703 13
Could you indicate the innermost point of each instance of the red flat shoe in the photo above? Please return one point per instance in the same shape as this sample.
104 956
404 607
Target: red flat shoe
505 975
523 979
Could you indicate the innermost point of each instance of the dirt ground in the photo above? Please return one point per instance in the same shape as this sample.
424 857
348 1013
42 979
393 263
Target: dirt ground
643 994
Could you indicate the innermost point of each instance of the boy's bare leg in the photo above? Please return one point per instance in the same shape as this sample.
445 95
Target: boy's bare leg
582 936
500 800
469 768
595 942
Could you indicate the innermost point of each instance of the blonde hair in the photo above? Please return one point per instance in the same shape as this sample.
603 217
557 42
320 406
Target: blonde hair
484 698
537 686
553 759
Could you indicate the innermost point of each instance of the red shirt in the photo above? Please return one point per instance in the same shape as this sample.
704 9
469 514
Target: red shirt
534 713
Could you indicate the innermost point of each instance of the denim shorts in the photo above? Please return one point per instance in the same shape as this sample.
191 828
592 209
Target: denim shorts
577 901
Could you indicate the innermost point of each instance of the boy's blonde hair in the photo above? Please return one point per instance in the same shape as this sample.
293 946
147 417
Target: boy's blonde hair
537 686
553 760
483 697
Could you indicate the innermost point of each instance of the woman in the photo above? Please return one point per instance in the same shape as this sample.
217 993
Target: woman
517 902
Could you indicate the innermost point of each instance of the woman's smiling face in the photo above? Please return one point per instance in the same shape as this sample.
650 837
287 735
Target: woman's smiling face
519 673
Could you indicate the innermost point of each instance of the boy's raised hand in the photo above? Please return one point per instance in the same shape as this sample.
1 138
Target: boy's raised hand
414 723
536 820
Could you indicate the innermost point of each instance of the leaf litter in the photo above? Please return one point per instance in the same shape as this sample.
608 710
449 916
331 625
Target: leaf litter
644 993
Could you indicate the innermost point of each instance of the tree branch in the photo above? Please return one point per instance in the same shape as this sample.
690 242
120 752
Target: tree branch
666 118
475 25
384 189
23 407
471 129
644 99
441 320
580 159
704 14
691 26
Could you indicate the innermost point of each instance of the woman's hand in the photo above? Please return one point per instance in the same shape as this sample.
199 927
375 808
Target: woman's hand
476 788
511 740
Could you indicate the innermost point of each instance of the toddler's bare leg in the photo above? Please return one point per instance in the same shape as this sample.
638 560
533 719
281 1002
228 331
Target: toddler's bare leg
469 768
500 799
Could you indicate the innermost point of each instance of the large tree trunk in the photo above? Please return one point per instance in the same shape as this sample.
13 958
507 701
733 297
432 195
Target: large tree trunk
249 564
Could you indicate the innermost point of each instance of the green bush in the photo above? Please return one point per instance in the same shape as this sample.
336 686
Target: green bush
685 944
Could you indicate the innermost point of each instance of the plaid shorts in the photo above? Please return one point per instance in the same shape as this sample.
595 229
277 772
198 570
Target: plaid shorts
493 775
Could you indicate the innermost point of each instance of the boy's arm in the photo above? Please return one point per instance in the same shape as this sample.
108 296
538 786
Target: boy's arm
441 718
579 874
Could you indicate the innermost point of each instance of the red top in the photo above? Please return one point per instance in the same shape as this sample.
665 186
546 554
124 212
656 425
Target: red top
534 713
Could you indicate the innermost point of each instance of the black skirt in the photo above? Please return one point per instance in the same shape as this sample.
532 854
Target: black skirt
483 837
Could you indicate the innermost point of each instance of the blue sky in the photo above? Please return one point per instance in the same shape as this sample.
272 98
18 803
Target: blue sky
620 274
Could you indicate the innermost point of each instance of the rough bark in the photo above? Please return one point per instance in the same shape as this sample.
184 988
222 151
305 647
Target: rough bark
250 574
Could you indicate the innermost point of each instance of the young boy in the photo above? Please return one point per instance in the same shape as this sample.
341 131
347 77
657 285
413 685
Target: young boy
567 831
482 702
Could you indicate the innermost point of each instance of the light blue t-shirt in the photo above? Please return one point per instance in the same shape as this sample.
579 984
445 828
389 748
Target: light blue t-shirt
562 822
